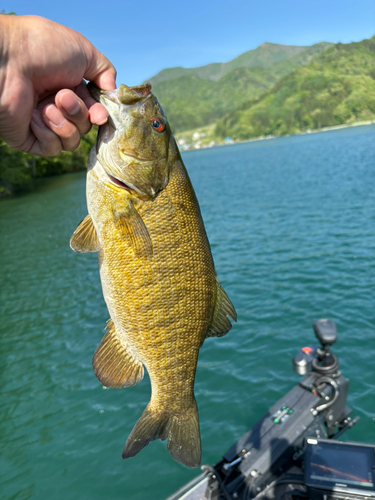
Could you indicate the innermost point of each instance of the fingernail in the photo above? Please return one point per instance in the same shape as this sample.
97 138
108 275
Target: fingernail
102 122
54 116
71 106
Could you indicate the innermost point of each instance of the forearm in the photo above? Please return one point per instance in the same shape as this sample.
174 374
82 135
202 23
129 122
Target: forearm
5 31
5 22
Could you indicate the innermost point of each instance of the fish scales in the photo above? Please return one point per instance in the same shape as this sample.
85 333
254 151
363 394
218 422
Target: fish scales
157 272
146 289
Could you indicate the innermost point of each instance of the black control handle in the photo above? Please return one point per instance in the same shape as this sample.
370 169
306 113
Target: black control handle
325 331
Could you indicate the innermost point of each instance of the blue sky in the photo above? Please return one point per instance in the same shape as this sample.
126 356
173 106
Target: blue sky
143 37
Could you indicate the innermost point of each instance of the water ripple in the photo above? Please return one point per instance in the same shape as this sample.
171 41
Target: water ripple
291 225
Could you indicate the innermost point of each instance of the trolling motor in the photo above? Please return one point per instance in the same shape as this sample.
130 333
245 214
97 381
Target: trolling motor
278 458
323 377
318 359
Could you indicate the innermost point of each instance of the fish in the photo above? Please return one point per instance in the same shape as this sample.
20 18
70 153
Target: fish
156 268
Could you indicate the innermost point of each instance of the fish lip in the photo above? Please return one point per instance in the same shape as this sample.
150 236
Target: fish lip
112 95
99 95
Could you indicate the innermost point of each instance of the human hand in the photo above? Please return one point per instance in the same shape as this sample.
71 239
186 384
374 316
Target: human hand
44 103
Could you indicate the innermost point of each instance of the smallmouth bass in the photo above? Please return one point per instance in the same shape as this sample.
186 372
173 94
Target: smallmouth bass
156 268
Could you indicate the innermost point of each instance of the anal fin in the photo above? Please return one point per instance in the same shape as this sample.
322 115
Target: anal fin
84 239
134 231
113 365
220 324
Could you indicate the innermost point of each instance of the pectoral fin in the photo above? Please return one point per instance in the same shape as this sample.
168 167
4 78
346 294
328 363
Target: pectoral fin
113 365
84 238
134 231
220 324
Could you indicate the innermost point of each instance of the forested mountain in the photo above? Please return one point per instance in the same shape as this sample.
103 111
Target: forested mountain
337 87
194 97
272 90
264 56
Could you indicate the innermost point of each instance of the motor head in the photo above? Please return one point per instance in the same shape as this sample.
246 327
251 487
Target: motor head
325 331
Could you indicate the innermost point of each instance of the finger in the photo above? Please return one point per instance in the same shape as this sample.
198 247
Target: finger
74 109
47 99
97 113
45 142
67 132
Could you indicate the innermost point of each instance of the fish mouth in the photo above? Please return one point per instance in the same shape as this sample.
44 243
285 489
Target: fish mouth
94 91
102 95
121 184
128 188
122 95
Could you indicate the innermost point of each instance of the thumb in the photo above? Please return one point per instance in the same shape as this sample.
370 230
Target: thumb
99 69
105 80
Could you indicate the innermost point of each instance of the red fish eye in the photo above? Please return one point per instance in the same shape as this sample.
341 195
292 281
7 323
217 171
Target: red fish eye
157 124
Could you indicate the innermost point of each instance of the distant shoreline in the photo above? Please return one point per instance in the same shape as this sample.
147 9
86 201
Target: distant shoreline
267 137
314 131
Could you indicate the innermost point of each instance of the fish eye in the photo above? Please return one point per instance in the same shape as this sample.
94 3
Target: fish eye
157 124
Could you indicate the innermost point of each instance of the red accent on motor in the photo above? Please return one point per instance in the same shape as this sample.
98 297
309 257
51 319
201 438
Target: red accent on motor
306 350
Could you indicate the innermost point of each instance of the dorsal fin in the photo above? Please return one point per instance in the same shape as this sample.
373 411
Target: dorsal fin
84 239
113 365
220 324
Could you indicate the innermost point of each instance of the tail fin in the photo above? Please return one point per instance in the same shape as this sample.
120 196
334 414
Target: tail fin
184 442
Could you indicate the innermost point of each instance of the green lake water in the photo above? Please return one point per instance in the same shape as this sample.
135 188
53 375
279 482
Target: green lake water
291 222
